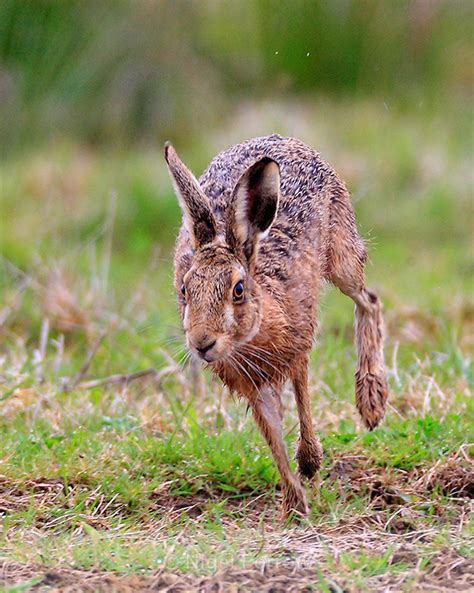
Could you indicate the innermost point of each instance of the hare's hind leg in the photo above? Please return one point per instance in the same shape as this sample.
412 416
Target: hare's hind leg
309 452
266 412
346 264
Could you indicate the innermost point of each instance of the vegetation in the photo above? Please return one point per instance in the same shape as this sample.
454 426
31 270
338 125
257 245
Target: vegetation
148 71
122 469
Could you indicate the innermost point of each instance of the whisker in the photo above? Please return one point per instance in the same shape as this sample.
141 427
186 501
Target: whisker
185 359
260 354
245 371
253 366
263 350
260 374
257 353
279 373
178 352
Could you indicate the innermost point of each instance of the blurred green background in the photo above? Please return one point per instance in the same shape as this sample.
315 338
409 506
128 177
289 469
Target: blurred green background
121 73
89 91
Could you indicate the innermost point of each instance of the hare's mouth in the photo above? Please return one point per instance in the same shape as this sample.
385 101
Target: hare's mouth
210 350
211 357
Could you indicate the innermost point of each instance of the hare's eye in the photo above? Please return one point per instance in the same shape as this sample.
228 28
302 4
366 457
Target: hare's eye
238 292
183 289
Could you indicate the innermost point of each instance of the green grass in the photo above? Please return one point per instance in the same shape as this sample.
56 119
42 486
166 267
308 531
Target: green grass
149 475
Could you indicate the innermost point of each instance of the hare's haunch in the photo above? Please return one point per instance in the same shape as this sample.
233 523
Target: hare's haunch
264 226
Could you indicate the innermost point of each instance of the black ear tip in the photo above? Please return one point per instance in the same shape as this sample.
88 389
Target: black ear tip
166 149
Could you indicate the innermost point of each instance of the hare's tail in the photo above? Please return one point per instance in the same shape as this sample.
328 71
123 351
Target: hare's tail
371 385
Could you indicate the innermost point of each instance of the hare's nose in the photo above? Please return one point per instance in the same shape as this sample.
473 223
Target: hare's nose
203 349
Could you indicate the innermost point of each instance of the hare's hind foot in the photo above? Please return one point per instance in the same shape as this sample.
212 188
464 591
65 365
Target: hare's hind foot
371 397
309 455
294 503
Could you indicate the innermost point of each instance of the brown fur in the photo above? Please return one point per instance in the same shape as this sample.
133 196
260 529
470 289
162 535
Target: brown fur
272 214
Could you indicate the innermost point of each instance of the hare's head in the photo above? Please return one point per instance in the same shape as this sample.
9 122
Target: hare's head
220 300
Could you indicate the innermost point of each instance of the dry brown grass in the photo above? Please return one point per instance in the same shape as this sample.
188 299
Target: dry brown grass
296 562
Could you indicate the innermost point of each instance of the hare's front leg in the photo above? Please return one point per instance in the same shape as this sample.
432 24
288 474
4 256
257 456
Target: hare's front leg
266 412
309 453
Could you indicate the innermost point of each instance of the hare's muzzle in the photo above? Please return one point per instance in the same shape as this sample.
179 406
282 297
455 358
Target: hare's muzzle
207 347
204 349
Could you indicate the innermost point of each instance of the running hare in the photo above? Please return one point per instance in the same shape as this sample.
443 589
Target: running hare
264 226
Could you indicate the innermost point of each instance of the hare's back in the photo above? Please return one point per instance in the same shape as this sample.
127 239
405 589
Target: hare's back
304 177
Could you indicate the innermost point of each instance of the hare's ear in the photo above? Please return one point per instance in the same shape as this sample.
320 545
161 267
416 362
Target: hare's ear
197 212
254 206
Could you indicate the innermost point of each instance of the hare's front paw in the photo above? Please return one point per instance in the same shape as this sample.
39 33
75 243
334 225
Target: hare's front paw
309 455
294 501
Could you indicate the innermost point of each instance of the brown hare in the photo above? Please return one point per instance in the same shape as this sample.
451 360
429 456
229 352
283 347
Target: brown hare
264 226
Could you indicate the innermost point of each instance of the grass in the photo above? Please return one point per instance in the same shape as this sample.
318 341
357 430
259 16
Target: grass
108 479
